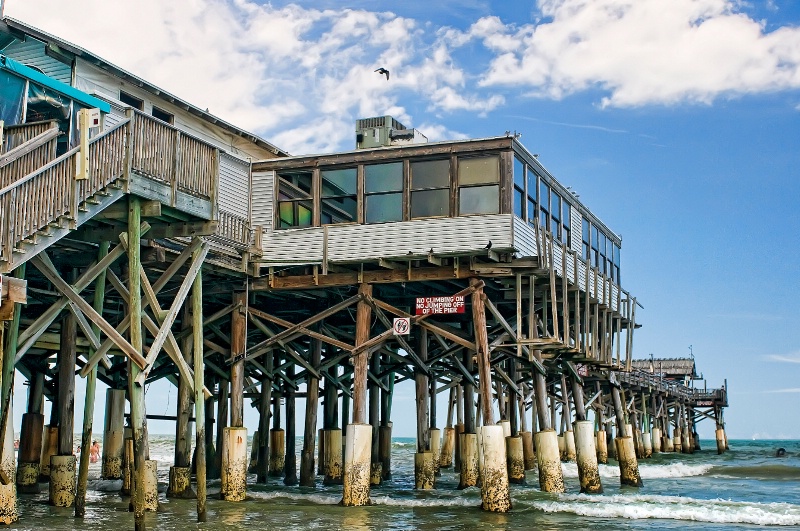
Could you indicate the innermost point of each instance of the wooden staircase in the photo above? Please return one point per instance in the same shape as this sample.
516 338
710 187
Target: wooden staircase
41 201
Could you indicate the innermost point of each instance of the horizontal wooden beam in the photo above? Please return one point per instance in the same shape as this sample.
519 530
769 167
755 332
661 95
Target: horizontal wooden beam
385 276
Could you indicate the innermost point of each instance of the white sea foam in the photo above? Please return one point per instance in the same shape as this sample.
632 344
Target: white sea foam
672 470
323 499
674 508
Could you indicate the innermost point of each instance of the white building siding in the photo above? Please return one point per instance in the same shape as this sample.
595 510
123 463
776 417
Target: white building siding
234 184
262 200
399 240
576 222
524 239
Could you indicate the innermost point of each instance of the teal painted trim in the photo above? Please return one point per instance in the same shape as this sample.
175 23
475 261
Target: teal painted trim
6 63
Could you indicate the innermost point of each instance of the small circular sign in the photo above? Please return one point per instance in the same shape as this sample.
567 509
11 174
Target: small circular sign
401 326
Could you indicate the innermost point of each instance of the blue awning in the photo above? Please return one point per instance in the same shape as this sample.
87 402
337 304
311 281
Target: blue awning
6 63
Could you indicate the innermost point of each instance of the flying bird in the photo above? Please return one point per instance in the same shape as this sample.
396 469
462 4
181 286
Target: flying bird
383 71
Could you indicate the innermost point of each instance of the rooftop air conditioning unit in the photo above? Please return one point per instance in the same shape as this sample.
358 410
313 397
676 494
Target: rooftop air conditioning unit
385 131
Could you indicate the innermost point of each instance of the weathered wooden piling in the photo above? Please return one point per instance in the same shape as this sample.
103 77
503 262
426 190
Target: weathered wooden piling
290 458
626 454
91 385
358 440
62 465
31 433
424 472
585 451
376 466
307 472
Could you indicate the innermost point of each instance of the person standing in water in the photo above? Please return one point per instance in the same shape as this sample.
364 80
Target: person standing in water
94 455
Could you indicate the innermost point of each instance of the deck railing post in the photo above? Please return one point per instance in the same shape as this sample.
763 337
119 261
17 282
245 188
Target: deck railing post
126 171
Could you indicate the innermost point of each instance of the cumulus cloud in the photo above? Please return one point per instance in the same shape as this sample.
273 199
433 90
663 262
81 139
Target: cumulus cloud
643 52
300 76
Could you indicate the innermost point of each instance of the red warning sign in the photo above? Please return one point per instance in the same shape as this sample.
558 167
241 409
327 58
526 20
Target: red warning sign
431 305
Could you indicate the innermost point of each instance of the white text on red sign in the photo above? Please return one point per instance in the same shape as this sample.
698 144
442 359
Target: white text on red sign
431 305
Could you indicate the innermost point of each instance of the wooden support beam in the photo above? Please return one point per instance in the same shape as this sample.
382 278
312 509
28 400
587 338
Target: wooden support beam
383 276
482 351
46 267
252 312
199 398
238 347
363 318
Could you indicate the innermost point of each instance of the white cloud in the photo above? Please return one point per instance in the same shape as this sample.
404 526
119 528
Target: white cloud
644 52
294 73
793 357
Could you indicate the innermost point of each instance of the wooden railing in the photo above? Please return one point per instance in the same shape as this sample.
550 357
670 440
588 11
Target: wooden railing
234 228
162 152
16 135
28 156
31 203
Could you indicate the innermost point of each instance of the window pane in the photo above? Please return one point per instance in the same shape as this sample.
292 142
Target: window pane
519 202
594 237
430 203
565 214
544 195
430 174
555 206
340 209
532 186
616 255
519 173
295 184
585 223
531 210
303 216
478 170
286 210
339 182
544 219
479 200
602 244
383 177
384 207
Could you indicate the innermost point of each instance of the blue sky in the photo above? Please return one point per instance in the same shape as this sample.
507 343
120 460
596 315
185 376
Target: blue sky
677 122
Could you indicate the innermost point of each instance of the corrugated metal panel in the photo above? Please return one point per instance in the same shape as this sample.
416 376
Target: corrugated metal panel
355 243
524 239
459 235
582 276
262 197
558 264
614 297
294 246
571 267
31 53
234 181
576 220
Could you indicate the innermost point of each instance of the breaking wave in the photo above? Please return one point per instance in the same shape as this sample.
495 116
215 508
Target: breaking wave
671 470
674 508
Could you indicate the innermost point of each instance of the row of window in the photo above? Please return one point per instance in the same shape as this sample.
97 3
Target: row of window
138 104
533 197
385 195
600 250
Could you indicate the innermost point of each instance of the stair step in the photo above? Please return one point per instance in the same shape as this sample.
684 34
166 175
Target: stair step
92 201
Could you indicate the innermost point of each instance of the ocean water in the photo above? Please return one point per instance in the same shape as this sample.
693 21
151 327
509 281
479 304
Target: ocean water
746 488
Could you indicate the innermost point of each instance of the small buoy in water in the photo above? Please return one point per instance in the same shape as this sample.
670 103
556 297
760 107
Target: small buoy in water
781 452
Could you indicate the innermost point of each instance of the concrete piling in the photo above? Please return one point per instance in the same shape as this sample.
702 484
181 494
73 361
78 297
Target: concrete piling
233 479
548 457
357 465
495 494
515 458
586 457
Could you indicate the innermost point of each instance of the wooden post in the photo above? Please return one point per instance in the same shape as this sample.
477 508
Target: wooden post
482 342
511 399
374 419
183 446
135 391
238 347
290 461
222 423
363 317
421 381
91 385
66 384
199 398
307 472
263 424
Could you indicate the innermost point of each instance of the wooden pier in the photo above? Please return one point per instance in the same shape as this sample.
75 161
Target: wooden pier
462 266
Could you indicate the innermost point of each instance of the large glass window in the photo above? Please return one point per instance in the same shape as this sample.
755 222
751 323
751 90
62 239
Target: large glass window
585 237
533 187
519 188
595 253
295 206
430 188
479 185
339 201
566 234
383 192
602 249
555 215
544 205
615 260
